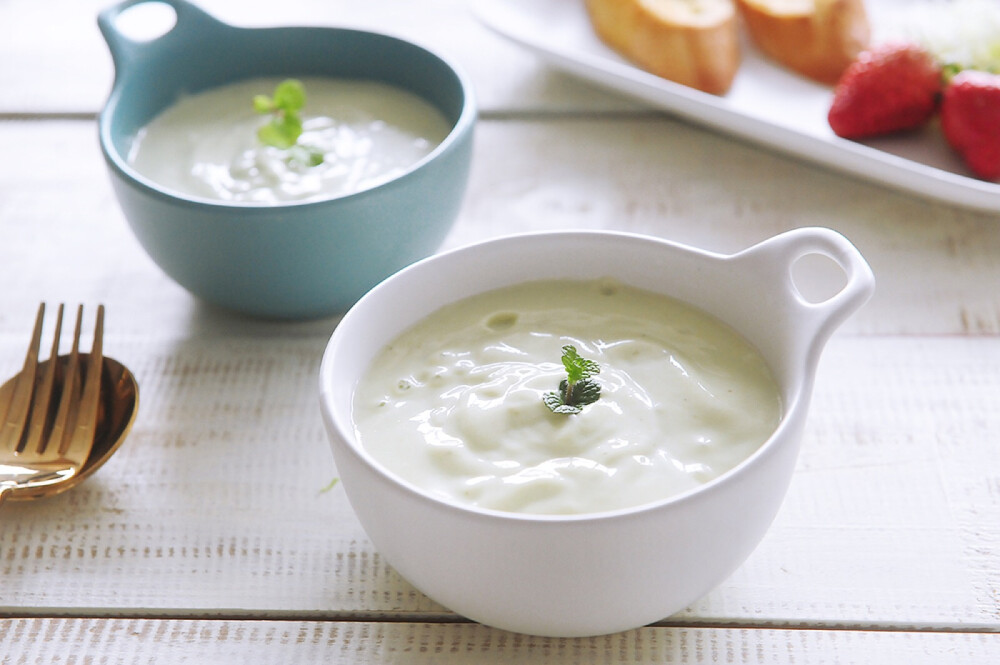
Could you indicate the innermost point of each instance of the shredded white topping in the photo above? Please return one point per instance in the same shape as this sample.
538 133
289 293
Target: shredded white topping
964 32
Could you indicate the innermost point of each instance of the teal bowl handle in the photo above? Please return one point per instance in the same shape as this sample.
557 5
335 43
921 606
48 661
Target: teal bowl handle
191 24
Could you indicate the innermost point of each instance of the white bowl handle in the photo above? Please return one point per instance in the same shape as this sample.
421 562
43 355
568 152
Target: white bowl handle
776 257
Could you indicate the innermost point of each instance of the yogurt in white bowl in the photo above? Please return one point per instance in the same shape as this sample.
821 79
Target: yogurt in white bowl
459 404
608 567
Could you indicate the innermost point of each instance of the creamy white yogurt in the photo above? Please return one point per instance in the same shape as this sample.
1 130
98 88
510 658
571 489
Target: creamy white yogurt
205 145
454 405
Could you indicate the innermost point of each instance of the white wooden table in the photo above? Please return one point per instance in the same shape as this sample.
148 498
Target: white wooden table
209 539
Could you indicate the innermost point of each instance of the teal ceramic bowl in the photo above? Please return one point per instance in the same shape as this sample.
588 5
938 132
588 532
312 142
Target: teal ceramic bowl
288 260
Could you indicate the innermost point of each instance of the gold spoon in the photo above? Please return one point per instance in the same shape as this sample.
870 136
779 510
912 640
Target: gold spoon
117 408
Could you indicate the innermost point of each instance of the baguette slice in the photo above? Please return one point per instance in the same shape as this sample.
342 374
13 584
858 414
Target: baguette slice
816 38
692 42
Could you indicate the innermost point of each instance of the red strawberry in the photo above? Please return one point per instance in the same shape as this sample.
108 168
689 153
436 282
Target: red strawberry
970 120
889 88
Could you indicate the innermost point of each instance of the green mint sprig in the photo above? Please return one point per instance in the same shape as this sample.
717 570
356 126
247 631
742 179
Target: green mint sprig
285 125
577 389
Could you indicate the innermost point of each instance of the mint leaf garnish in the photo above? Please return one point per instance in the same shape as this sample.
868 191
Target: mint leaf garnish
577 389
285 126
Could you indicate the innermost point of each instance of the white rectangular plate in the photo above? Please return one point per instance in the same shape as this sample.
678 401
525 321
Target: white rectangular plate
766 104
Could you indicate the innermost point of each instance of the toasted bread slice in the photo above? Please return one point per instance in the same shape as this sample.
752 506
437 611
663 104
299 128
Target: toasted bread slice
692 42
816 38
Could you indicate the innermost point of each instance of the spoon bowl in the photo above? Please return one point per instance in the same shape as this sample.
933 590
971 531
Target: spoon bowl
116 412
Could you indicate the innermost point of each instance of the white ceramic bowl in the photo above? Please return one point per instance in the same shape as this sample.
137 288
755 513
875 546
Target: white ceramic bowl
603 572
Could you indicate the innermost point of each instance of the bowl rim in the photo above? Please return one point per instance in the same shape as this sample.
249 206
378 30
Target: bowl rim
462 127
793 400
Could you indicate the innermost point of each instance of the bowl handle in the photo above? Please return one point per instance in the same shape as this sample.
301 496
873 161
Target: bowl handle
776 258
192 20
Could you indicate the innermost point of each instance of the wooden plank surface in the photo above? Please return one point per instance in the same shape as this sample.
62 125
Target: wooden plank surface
56 61
135 642
893 518
216 503
648 175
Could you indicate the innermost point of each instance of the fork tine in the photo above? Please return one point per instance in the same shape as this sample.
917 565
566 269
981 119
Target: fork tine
43 395
70 385
17 412
85 425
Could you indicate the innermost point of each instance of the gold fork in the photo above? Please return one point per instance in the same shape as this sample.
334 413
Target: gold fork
50 417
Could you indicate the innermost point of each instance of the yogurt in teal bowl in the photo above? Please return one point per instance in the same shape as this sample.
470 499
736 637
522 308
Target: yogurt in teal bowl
287 233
